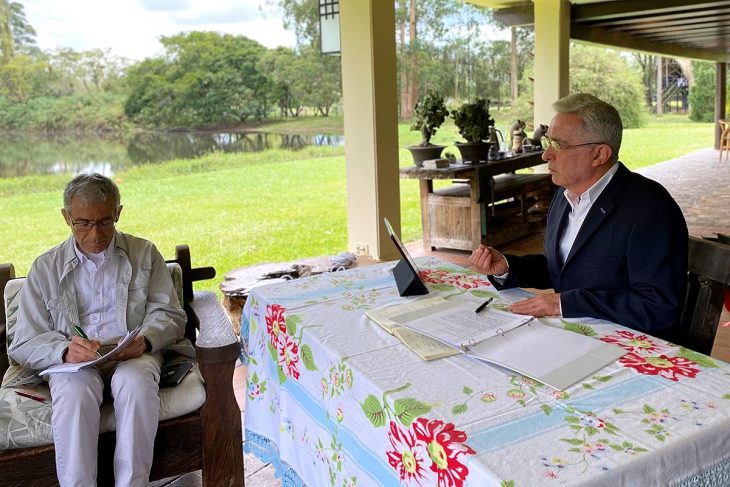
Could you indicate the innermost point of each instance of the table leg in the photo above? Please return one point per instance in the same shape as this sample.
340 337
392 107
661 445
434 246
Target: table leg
426 187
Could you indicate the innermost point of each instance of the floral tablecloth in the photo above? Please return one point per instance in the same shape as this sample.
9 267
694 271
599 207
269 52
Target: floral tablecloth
335 400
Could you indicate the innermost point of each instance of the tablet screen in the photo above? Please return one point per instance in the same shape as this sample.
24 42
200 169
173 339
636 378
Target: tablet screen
400 246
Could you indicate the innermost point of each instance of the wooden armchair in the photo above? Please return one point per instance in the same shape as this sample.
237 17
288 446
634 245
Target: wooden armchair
208 439
708 274
724 138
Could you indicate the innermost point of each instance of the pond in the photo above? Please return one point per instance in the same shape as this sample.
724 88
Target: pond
37 154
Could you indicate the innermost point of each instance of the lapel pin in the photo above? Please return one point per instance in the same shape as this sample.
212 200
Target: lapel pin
603 211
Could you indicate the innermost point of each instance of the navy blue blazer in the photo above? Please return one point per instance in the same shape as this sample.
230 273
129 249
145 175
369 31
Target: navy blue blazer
628 263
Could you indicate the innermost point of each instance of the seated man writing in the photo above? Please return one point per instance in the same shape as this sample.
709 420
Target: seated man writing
615 243
106 283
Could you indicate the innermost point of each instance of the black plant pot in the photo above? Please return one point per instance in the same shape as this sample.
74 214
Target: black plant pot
474 152
422 153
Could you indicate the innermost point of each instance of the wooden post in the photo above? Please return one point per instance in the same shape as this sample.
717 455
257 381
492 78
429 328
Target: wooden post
659 93
720 98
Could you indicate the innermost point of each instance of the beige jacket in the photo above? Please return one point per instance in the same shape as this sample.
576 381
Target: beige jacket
48 310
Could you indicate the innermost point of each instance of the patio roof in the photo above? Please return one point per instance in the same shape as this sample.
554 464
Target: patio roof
676 28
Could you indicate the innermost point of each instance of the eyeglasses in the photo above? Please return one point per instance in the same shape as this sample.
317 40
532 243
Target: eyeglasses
84 226
548 142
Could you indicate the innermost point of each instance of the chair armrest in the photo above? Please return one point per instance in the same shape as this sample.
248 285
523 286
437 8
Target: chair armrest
215 327
217 350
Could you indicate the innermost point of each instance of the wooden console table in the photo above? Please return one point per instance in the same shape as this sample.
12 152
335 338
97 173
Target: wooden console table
489 206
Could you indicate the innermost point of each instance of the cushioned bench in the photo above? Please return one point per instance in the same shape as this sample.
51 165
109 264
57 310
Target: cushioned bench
200 422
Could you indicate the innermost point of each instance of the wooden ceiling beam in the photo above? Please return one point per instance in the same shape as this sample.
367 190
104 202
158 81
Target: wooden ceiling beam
624 8
622 41
658 27
516 16
682 35
650 19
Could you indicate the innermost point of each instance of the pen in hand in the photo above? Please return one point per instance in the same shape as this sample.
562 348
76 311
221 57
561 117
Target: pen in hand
484 305
31 396
81 333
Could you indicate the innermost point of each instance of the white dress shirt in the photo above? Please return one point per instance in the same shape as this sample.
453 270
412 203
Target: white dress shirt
95 281
580 206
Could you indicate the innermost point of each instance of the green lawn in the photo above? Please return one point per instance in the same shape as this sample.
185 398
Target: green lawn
241 209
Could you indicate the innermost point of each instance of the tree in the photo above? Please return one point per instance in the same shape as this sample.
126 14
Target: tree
607 75
16 34
702 92
202 78
303 16
323 77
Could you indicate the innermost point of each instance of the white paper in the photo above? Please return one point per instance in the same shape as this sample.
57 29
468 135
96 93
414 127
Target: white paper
456 323
75 367
383 315
558 358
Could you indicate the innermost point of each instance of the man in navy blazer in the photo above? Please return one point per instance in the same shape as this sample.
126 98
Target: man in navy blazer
616 242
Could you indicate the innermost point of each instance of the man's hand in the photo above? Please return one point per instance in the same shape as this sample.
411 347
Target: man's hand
134 350
489 261
542 305
81 350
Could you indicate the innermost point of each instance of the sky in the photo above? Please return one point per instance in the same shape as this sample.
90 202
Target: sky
131 28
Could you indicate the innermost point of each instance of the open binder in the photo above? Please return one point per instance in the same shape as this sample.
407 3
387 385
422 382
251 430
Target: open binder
558 358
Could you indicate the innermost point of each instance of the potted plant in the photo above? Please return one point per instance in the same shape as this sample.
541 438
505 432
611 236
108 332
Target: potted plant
473 121
428 115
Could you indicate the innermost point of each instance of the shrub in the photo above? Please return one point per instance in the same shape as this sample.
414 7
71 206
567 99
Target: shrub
702 92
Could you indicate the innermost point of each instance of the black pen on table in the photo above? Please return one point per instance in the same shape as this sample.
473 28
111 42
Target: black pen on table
484 305
83 335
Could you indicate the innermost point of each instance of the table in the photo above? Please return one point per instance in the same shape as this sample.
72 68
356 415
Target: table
464 215
333 399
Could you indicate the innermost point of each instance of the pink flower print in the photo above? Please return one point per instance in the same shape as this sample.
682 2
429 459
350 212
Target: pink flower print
288 355
637 343
407 456
671 368
433 276
488 397
275 322
551 474
516 394
466 281
445 445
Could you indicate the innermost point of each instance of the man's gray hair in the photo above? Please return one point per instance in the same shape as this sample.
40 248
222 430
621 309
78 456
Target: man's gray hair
92 188
601 121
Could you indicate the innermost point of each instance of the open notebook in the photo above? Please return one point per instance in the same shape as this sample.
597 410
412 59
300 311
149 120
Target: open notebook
75 367
555 357
423 346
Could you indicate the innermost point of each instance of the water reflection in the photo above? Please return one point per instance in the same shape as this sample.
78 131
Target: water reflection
26 154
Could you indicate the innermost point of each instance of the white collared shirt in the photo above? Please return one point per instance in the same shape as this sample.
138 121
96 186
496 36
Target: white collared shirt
95 281
580 206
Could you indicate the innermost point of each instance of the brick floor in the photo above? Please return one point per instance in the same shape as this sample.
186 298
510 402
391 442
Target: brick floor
697 181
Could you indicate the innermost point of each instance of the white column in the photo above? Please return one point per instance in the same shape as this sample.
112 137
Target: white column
367 37
552 55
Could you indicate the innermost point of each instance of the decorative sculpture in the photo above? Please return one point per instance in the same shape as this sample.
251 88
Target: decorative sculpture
517 135
539 132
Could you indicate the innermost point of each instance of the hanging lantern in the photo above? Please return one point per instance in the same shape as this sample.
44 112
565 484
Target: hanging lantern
329 26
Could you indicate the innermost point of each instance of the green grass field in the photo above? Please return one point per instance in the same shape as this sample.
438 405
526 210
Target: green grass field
236 210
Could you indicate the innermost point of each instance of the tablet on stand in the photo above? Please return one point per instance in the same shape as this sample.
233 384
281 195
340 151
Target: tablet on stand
405 272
